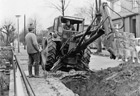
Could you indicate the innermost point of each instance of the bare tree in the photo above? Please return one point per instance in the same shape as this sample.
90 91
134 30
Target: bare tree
2 37
35 21
9 29
134 1
61 7
91 11
22 36
82 12
87 11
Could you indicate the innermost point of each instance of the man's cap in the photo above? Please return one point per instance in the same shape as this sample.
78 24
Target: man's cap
31 26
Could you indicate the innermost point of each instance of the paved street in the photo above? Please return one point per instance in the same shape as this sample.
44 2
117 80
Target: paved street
98 62
102 62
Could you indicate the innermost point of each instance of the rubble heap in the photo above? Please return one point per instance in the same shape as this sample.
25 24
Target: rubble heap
123 80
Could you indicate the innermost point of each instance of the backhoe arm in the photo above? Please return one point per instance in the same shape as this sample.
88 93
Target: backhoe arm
105 26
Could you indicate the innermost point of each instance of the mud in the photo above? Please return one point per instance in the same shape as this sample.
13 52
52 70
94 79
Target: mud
123 80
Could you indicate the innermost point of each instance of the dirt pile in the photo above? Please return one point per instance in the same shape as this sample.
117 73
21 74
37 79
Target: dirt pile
123 80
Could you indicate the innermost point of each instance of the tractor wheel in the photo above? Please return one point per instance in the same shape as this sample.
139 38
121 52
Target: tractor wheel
51 54
86 58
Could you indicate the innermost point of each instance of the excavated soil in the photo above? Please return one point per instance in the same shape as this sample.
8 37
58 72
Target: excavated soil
123 80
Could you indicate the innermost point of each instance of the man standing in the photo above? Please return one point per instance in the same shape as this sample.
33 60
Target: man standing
33 51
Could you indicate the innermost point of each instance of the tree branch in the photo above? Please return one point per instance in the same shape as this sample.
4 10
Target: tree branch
56 7
138 2
61 7
67 5
4 32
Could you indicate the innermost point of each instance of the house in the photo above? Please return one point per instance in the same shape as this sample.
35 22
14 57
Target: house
129 14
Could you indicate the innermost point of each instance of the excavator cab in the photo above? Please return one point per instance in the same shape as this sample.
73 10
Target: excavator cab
59 32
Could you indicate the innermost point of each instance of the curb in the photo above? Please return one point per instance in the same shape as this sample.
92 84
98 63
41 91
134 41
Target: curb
100 54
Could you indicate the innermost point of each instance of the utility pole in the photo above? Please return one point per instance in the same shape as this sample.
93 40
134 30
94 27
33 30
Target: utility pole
98 5
18 31
138 20
35 26
24 30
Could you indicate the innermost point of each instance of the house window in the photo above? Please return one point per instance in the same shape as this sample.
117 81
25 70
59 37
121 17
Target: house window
134 3
117 6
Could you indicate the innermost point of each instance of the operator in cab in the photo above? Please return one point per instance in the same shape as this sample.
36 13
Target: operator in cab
68 26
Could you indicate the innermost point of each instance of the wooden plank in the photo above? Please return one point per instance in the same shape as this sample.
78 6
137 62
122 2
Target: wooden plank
11 86
20 90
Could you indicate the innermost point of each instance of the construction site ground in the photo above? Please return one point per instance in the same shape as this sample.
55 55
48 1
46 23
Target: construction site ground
109 78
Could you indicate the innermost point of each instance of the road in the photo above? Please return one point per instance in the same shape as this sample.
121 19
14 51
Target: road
99 62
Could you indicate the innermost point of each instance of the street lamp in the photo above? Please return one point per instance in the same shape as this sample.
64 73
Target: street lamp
17 16
24 30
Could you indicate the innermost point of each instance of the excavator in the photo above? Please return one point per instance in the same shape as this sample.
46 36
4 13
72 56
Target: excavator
69 49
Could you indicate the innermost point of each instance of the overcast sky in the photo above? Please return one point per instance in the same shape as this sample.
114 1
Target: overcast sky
36 9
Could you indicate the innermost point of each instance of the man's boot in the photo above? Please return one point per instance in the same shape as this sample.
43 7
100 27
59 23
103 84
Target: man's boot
36 70
30 71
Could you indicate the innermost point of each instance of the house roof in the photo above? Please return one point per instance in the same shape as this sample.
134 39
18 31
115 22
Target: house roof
123 14
112 0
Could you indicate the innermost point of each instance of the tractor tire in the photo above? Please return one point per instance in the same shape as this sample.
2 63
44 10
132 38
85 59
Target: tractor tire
86 58
51 54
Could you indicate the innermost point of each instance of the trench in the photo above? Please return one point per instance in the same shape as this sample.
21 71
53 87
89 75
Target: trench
123 80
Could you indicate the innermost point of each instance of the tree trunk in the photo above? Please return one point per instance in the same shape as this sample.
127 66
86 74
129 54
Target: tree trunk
63 9
7 40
